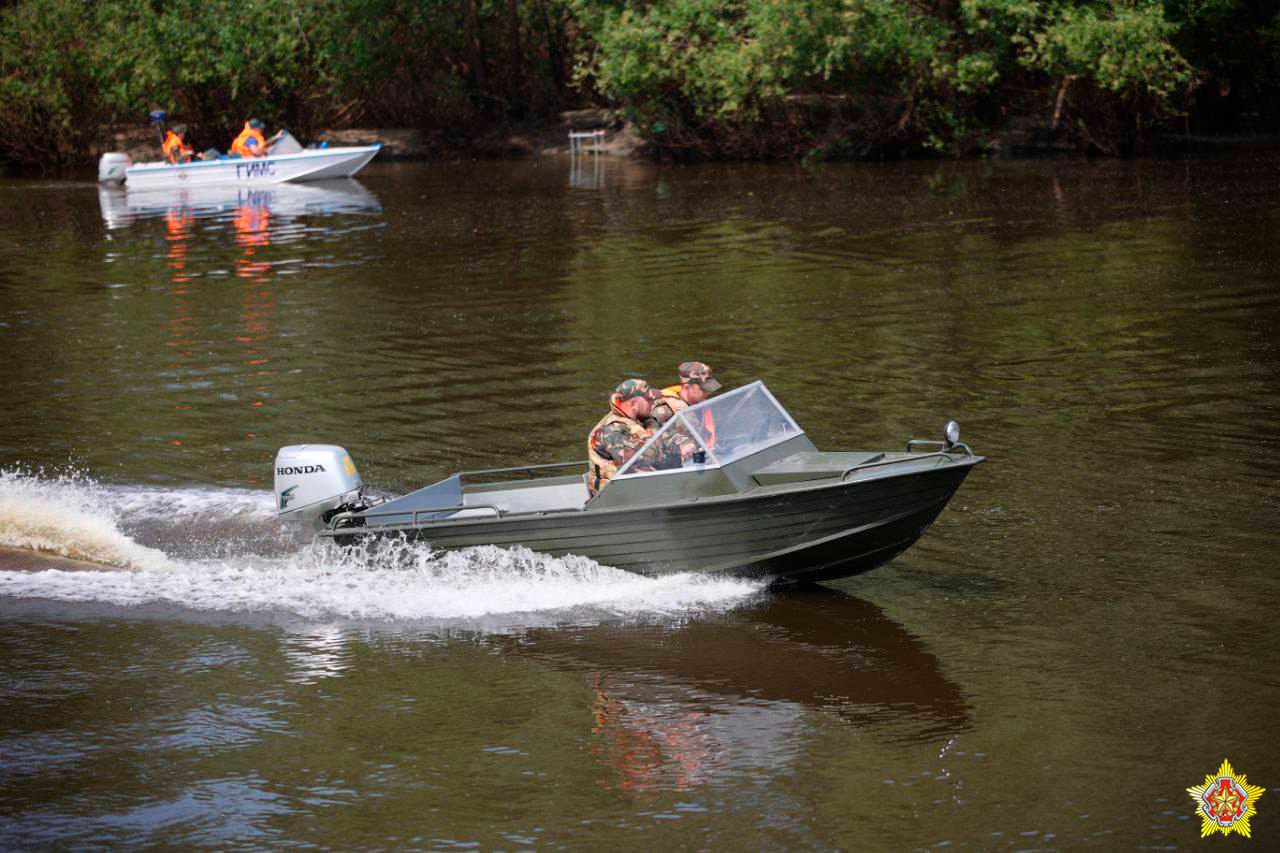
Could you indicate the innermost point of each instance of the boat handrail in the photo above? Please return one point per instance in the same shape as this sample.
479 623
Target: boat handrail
412 513
931 442
880 463
529 469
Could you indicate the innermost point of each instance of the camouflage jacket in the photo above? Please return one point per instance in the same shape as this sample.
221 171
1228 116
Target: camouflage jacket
676 444
667 404
614 440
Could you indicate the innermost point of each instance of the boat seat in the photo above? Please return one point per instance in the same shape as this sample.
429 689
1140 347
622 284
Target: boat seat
526 498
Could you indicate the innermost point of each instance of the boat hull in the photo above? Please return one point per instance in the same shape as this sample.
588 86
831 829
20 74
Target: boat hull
819 533
313 164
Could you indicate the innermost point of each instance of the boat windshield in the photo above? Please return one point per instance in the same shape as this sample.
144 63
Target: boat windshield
723 429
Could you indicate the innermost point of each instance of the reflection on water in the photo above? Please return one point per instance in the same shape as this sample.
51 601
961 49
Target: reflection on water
716 698
122 207
179 222
197 219
1104 332
587 171
226 254
320 653
670 715
251 225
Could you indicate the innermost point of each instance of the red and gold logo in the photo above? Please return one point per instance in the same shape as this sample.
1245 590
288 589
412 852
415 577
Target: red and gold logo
1225 802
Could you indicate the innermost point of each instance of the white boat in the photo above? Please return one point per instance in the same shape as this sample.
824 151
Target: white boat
278 167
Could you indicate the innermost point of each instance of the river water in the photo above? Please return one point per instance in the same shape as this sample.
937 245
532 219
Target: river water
1088 630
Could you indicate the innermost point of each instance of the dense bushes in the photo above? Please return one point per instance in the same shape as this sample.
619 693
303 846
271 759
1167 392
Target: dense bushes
707 77
936 75
68 67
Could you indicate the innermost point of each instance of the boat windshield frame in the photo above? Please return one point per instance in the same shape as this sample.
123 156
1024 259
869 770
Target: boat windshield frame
687 421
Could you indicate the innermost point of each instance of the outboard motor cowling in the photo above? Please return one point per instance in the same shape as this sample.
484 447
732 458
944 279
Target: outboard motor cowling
112 166
314 482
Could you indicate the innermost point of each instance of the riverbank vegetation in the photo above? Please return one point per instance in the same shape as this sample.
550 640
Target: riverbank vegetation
695 78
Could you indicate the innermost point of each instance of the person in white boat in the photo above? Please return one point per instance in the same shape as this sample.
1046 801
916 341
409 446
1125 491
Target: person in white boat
176 149
251 142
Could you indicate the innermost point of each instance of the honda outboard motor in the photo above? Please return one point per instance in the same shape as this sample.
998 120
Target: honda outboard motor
112 166
314 482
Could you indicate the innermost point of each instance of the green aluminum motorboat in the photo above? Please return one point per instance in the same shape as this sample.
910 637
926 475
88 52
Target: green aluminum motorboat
758 499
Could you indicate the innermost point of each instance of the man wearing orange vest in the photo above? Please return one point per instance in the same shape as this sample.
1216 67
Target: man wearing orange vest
250 142
696 385
176 150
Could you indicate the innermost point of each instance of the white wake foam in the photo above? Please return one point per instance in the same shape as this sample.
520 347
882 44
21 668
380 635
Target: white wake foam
165 504
71 516
386 579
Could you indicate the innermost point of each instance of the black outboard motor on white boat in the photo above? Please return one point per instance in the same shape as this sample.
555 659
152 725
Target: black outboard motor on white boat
315 482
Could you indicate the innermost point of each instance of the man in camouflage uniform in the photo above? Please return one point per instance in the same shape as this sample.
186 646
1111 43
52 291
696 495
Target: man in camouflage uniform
696 385
620 434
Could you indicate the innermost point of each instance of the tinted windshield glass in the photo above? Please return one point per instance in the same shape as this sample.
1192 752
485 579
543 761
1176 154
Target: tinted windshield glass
731 426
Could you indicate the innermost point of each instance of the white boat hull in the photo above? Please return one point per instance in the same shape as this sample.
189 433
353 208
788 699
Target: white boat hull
312 164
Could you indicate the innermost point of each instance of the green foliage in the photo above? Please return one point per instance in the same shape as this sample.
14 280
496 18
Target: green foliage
729 59
1122 49
718 77
68 67
918 76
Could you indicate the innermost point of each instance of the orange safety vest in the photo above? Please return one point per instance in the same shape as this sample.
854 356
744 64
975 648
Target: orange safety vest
174 146
240 145
670 399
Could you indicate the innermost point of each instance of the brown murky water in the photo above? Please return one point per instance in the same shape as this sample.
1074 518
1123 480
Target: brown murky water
1087 631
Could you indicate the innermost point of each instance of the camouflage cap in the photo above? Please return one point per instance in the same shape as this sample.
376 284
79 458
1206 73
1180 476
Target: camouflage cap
633 388
697 373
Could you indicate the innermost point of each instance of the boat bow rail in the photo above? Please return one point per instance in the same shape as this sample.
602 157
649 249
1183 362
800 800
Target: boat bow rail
521 469
411 514
949 456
